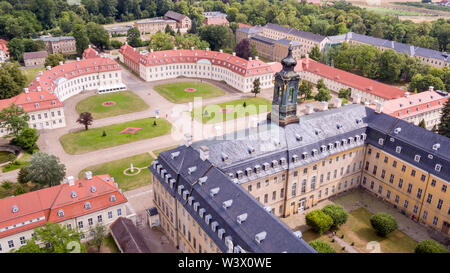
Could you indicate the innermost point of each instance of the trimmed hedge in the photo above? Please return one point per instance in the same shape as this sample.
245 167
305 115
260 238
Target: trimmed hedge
337 213
319 221
321 246
383 223
430 246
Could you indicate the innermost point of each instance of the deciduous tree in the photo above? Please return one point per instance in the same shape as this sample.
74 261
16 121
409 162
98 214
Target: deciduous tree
14 119
383 223
85 119
45 169
54 59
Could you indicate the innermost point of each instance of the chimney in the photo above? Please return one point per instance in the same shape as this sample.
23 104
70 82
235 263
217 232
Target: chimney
192 48
187 140
204 153
379 107
234 53
256 58
406 94
431 88
174 48
49 67
309 109
89 45
88 175
306 56
250 58
78 59
41 72
207 49
60 63
26 90
221 51
71 180
39 89
323 106
356 98
151 49
366 103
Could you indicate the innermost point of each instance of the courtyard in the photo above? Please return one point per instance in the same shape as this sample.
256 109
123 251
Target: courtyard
111 104
108 136
182 92
358 230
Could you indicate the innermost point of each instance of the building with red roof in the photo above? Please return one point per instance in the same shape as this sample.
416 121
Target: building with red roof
4 52
216 21
90 53
195 63
43 97
77 204
414 108
335 79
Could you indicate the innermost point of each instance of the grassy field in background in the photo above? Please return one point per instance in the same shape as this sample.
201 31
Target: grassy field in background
92 139
126 102
31 73
175 93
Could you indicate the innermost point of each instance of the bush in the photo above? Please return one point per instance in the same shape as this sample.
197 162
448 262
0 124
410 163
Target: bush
430 246
7 185
319 221
116 44
383 223
343 248
11 157
353 243
337 213
321 246
342 236
22 176
19 190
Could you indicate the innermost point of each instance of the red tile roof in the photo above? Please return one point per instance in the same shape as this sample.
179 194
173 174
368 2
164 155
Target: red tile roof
378 89
216 21
41 89
90 53
47 202
234 63
3 46
244 25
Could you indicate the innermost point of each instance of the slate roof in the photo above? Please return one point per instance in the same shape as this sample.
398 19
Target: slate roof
187 186
34 55
399 47
335 130
54 39
128 237
296 32
263 39
175 15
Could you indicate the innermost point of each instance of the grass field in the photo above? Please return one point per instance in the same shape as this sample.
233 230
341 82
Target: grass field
126 102
115 169
17 164
4 156
394 12
310 235
358 229
92 139
175 93
213 114
31 73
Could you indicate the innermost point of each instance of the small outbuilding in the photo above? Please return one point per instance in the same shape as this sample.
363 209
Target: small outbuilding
127 237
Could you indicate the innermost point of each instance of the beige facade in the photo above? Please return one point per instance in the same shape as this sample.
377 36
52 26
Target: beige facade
153 25
34 62
63 44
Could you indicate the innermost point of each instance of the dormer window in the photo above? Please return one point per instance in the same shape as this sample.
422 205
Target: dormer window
202 180
73 194
251 150
266 166
298 137
241 218
438 167
180 188
417 158
257 169
294 158
196 205
259 238
315 152
239 174
363 136
87 205
214 226
208 218
112 198
248 171
224 157
274 164
305 155
15 209
93 189
398 149
381 141
436 146
397 130
323 148
60 213
330 146
213 192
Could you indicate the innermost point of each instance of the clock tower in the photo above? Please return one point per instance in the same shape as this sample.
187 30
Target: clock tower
284 103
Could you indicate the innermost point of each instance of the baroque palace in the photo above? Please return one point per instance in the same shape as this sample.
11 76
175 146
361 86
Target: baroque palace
226 194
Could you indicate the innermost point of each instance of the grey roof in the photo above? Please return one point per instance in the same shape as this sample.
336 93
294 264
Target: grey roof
296 32
155 20
128 237
399 47
263 39
214 14
152 211
175 15
279 237
252 30
119 29
343 128
54 39
34 55
288 42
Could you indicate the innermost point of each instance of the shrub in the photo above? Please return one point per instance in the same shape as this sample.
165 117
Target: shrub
319 221
343 248
22 176
353 243
337 213
332 240
11 157
383 223
342 236
104 133
19 190
430 246
321 246
7 185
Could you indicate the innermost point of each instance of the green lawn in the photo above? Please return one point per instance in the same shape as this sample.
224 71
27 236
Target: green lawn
31 73
358 229
4 156
213 114
17 164
175 93
116 168
126 102
92 139
395 12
